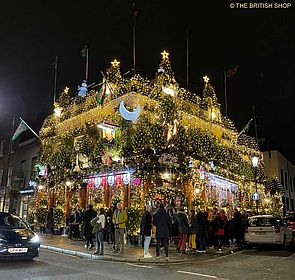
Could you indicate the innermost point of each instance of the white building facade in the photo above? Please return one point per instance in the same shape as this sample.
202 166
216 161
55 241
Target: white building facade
276 165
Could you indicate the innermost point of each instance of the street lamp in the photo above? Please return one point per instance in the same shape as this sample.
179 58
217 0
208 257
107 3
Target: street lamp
255 161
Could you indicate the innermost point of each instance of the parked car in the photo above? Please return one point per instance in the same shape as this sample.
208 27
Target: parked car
17 240
267 230
290 221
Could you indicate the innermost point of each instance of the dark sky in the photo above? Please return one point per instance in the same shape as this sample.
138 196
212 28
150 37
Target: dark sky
260 41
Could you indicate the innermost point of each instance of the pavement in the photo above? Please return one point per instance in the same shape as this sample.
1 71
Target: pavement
132 254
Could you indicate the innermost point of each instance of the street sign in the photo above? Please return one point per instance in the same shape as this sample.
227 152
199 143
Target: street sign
256 196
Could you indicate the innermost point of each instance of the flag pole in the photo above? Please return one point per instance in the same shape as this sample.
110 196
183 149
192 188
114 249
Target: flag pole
55 79
188 33
225 90
134 37
87 64
246 127
30 128
8 163
255 124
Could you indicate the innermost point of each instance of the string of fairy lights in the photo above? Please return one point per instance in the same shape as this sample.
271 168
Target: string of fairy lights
173 120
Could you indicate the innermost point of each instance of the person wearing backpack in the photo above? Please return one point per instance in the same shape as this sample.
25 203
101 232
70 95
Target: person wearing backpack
89 214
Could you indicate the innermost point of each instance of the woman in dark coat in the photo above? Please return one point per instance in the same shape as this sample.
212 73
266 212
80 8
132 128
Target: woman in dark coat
202 234
161 220
87 217
183 229
146 230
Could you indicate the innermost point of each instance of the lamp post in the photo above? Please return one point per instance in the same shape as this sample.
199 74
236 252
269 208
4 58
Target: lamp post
255 161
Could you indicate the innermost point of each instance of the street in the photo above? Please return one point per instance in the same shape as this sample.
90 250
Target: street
250 264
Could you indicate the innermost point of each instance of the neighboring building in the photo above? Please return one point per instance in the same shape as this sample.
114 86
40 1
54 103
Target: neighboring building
25 175
17 189
276 165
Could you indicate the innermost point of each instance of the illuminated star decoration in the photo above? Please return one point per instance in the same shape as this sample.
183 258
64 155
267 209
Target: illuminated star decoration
115 63
165 55
66 90
206 80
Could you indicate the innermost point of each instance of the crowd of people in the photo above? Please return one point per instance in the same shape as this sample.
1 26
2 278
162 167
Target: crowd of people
103 226
191 231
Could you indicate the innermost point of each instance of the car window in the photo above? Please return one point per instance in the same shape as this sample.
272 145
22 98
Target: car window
290 219
264 222
11 221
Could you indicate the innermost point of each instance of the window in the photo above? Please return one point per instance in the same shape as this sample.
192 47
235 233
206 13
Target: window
22 165
1 176
264 222
282 178
286 180
11 221
33 174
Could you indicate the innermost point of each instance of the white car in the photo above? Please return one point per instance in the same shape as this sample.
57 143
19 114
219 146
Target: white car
268 230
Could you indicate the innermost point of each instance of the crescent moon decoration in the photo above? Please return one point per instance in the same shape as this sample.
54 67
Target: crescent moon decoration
127 115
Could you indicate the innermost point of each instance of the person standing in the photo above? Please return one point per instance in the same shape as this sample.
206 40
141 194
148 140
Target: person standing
217 229
74 222
162 220
98 226
193 230
173 226
119 220
183 229
87 217
50 222
225 238
111 237
146 230
237 227
202 231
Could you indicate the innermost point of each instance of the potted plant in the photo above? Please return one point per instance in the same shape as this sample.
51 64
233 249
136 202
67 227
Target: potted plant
59 219
133 225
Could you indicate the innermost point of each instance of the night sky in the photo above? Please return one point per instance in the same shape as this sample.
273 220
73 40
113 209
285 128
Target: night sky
260 41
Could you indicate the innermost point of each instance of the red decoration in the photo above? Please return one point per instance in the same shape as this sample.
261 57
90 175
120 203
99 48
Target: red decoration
90 184
119 180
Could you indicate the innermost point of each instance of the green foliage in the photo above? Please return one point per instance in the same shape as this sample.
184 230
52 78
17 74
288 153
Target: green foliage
133 221
59 217
41 216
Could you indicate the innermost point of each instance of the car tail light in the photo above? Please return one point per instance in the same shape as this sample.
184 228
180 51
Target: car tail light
277 229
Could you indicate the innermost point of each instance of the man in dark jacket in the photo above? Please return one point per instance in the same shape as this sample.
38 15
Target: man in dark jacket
202 231
88 216
161 221
237 227
146 230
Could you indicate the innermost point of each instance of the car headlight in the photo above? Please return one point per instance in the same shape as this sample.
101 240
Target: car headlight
35 239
